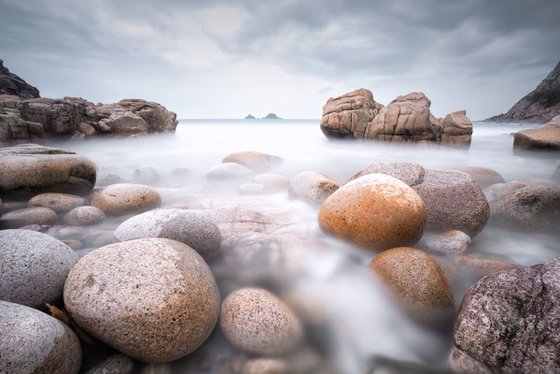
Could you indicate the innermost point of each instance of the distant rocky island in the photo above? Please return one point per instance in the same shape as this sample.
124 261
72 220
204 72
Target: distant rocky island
539 106
268 116
25 116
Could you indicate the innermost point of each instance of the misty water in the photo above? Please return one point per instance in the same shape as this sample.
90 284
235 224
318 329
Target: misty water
353 323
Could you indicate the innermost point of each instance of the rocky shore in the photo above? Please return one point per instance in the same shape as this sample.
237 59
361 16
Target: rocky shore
159 279
24 116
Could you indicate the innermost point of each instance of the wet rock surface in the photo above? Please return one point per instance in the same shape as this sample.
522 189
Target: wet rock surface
34 342
508 321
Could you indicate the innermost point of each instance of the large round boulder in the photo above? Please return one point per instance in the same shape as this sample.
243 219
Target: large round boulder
256 321
124 198
312 187
374 211
192 227
30 169
34 267
508 322
533 207
152 299
454 202
34 342
415 277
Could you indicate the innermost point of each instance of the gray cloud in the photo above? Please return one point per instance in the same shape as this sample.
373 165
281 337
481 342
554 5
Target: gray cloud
190 52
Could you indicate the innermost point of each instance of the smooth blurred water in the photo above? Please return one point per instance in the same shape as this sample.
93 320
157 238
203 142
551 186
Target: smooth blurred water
363 321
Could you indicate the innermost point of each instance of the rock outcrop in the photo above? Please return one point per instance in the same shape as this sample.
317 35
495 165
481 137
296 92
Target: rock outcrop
11 84
31 119
25 116
407 118
540 105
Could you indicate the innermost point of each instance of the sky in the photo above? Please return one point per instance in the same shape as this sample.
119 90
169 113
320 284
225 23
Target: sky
226 59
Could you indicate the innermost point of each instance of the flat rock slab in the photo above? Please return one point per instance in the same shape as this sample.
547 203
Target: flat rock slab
30 169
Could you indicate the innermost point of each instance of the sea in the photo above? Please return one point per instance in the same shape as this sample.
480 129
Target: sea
359 325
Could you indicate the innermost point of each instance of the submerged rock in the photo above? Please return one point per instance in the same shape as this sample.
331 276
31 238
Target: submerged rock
30 169
508 322
374 211
27 216
152 299
229 171
312 187
255 321
116 364
34 342
34 267
415 277
484 177
256 161
453 242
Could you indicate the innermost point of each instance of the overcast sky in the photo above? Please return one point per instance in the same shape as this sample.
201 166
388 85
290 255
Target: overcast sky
226 59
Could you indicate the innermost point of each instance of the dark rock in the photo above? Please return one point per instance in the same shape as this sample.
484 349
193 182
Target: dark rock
11 84
30 169
250 116
540 105
508 322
